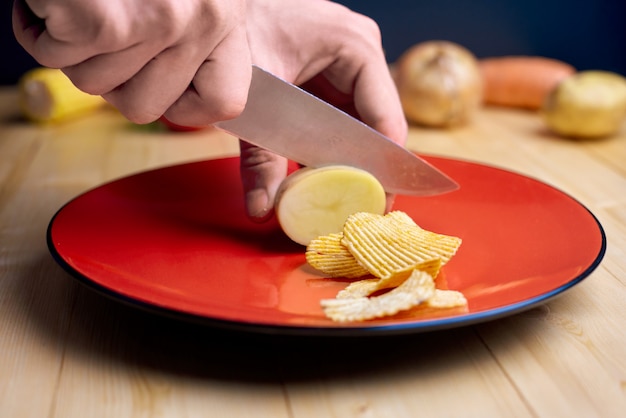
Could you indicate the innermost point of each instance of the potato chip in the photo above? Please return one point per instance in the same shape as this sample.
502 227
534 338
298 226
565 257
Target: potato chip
387 244
443 299
403 257
367 287
416 289
439 245
330 256
359 289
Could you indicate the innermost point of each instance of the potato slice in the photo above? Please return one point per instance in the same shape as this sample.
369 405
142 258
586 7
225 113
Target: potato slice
328 255
391 244
418 288
366 287
312 202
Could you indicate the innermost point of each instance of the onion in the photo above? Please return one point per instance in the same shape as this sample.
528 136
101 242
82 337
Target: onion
439 84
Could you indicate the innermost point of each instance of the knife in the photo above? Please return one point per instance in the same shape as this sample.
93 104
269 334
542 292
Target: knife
291 122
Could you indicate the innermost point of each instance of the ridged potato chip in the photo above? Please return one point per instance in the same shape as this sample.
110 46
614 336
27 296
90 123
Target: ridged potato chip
444 299
330 256
416 289
367 287
403 258
387 244
439 245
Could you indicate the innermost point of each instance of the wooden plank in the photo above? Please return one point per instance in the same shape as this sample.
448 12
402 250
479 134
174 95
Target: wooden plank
404 377
124 362
562 362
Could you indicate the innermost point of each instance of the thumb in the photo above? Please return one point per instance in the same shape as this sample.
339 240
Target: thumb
261 174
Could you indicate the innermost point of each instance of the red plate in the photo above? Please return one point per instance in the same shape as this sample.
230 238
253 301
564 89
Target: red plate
176 240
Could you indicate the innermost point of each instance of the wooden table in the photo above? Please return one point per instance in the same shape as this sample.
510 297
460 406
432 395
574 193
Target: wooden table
66 351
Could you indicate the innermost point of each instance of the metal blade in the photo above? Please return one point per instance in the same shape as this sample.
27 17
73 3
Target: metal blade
293 123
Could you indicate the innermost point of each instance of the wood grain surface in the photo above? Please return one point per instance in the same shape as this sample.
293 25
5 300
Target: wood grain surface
67 352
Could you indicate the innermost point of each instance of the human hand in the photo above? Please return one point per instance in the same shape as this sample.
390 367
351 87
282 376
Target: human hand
158 58
187 60
334 53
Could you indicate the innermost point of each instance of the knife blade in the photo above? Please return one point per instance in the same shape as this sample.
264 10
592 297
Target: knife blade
291 122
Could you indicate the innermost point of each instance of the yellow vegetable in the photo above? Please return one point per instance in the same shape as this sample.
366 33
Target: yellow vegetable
589 104
47 95
312 202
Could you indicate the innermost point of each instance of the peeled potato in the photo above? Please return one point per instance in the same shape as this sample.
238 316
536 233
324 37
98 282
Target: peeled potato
312 202
589 104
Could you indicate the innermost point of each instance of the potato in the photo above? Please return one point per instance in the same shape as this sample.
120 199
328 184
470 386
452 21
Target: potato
589 104
312 202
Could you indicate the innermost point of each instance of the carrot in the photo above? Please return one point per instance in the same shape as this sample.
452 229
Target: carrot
521 81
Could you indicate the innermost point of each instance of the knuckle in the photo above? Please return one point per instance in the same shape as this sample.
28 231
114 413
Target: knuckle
140 118
90 85
362 26
254 156
203 112
227 110
47 59
133 110
222 105
370 27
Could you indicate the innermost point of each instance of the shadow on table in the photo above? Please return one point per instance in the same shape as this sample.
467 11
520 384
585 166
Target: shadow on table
93 327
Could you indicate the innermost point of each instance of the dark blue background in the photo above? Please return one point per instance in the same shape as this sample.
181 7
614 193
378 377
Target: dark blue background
588 34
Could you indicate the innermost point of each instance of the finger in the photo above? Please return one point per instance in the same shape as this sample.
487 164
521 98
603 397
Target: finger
374 94
362 72
106 71
72 45
220 86
261 174
151 91
179 82
26 25
319 86
28 29
380 108
378 115
377 102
